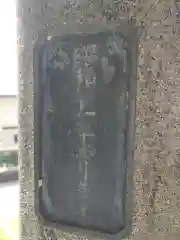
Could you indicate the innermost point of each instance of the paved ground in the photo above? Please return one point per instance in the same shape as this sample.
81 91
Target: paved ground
9 200
9 208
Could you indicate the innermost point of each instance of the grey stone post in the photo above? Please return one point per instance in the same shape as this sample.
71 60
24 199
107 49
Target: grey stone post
157 153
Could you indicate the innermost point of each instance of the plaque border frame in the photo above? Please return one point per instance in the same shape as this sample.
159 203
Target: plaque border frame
129 29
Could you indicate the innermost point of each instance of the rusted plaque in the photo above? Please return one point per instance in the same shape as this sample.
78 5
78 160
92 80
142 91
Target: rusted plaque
83 109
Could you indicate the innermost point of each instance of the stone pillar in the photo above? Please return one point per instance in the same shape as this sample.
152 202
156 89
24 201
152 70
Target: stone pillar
156 174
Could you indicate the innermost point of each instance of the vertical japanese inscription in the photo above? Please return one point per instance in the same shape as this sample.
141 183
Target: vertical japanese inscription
85 83
84 58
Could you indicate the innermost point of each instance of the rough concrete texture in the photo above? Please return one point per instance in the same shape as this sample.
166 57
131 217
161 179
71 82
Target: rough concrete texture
157 155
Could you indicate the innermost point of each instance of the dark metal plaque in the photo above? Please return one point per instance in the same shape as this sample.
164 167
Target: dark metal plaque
83 112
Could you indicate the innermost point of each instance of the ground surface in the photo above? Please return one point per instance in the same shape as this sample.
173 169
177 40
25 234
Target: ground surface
9 211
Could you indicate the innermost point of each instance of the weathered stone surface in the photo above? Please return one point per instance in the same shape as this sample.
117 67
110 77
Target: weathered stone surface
157 165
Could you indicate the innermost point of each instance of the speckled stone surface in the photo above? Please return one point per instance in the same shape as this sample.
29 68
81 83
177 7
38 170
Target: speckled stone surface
157 155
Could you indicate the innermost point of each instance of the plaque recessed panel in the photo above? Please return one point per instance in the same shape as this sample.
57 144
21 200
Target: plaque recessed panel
84 85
